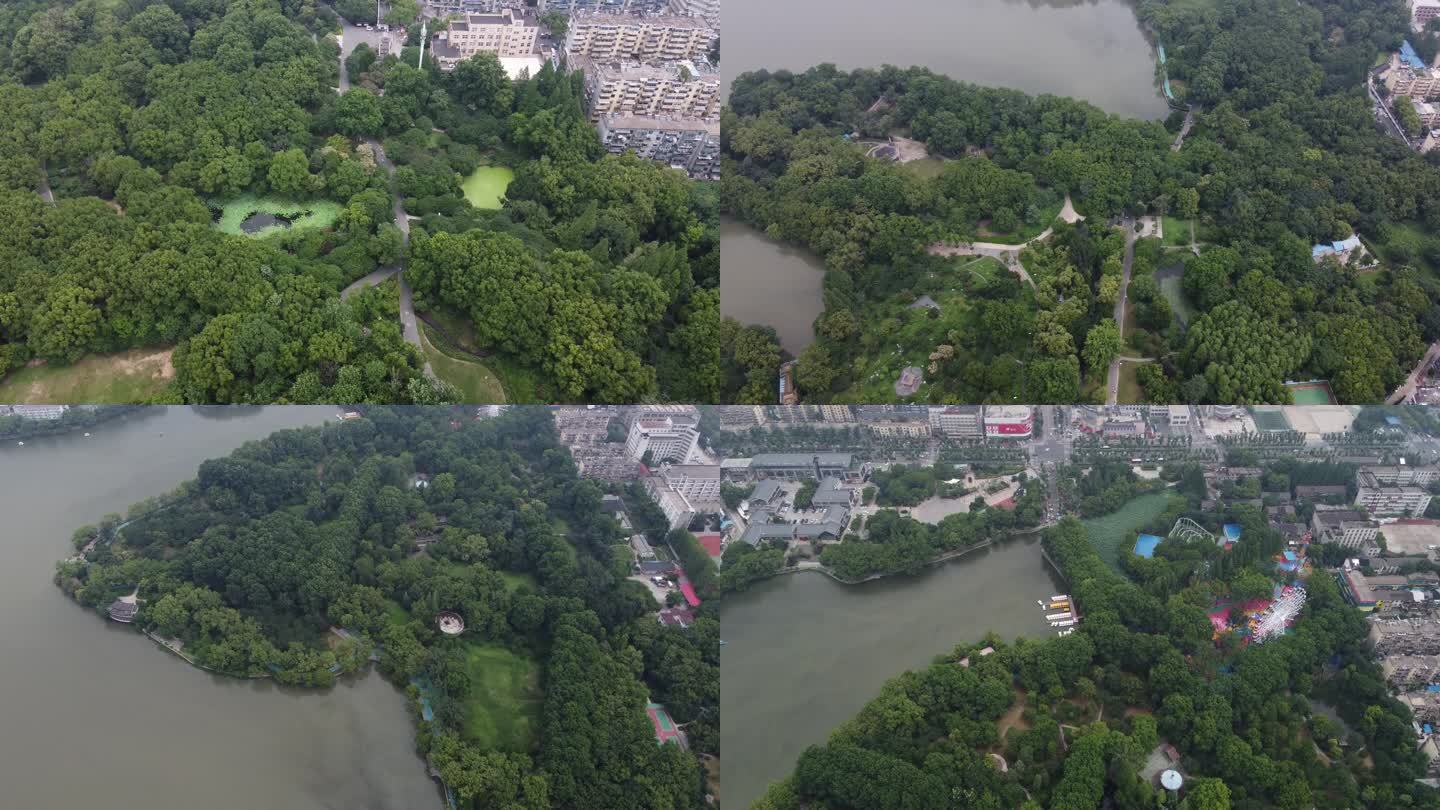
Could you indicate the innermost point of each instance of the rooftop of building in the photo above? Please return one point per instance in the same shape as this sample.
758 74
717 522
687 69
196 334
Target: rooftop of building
801 459
502 17
613 18
632 70
709 126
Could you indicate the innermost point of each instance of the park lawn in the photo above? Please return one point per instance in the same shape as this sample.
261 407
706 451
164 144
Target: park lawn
1171 288
1206 234
476 382
312 214
502 711
135 376
1026 231
928 169
1177 231
1130 392
395 614
1414 237
1108 532
460 329
513 581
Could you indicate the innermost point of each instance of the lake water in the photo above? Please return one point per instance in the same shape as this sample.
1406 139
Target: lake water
96 715
763 281
485 187
804 653
1088 49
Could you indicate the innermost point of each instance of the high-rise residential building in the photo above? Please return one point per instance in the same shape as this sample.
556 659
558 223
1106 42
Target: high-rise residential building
665 438
683 144
1405 475
680 90
1422 12
957 421
664 38
707 10
1379 498
684 490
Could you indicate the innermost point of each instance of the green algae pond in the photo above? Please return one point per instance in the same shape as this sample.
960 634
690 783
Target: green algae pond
258 217
485 187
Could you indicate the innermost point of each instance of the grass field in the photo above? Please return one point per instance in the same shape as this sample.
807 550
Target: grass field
475 381
1170 287
485 187
1026 231
1129 392
513 581
503 709
928 168
395 613
138 375
313 214
1108 532
1177 231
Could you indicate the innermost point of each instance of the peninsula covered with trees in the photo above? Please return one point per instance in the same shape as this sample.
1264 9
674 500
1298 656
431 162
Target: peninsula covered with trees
183 179
1074 718
1229 304
304 555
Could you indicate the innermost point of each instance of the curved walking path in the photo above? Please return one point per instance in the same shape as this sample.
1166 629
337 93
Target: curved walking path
1009 255
1112 391
408 323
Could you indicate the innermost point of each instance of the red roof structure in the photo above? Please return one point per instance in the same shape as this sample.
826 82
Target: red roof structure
711 543
689 591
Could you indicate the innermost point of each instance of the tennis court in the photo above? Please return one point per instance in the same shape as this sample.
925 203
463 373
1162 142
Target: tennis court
1311 393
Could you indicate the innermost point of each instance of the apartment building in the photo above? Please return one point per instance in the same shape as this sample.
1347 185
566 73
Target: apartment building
670 90
1379 498
1422 12
665 437
683 144
837 413
957 422
1346 528
662 38
684 490
1429 114
738 417
607 6
1405 475
1407 81
904 429
506 33
707 10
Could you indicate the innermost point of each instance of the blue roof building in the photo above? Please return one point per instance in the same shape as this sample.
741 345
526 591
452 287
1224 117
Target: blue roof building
1409 57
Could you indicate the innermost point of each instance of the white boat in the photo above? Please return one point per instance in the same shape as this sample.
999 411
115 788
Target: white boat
1066 631
1055 617
1058 597
1065 623
1040 602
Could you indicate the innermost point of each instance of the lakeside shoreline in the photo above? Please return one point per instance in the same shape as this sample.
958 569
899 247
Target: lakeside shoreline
933 561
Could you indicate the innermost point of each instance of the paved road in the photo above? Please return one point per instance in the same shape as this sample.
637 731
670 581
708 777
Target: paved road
1405 391
1184 129
1112 394
352 38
